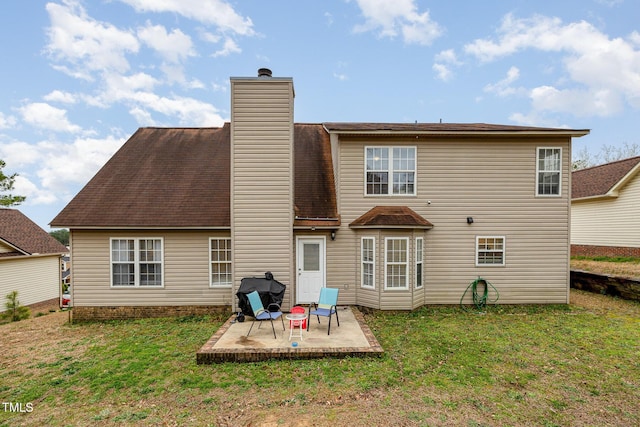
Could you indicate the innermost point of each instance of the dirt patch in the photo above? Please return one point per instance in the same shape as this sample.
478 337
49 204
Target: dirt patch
40 339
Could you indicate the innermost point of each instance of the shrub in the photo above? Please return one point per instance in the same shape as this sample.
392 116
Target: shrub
15 311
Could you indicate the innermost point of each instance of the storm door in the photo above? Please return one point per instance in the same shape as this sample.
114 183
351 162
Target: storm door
311 268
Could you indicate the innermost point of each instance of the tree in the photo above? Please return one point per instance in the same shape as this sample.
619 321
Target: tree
15 311
61 235
607 154
6 185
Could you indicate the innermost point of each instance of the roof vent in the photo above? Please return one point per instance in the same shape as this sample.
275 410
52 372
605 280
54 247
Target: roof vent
264 72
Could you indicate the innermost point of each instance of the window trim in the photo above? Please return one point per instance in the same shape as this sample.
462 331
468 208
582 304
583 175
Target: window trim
539 171
136 263
230 262
372 263
390 170
419 261
504 251
406 264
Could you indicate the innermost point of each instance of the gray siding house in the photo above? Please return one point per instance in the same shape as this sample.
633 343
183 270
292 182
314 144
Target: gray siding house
395 215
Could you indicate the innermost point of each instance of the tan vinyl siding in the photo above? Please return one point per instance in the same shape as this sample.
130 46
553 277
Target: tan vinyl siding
4 248
36 278
262 178
492 181
186 270
608 222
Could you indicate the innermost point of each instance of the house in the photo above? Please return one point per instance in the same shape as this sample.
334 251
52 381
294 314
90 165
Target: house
29 261
65 267
605 209
394 215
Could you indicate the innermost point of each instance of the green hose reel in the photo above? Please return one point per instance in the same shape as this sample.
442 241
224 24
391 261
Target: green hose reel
480 299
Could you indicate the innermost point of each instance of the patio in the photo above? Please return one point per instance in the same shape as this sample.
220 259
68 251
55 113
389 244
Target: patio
231 344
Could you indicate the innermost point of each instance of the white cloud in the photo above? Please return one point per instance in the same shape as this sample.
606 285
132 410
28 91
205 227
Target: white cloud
399 17
48 169
189 111
579 102
174 46
228 48
7 122
445 60
175 74
87 44
35 196
60 96
329 18
44 116
18 153
214 12
503 87
76 162
449 56
443 72
602 73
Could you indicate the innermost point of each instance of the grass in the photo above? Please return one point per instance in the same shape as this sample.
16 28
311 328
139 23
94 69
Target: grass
616 266
527 365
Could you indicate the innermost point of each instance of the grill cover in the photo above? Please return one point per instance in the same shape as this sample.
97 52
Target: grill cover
270 290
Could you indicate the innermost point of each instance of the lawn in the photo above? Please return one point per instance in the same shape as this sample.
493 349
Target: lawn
558 365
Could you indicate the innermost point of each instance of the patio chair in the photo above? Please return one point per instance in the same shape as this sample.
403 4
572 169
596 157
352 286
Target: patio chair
260 314
326 306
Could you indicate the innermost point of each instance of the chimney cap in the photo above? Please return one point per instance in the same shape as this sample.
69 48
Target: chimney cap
264 72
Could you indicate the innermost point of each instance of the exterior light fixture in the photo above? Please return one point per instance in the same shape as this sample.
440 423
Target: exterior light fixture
333 234
469 220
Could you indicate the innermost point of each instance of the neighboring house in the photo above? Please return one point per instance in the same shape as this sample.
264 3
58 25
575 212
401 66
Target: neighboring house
65 266
29 261
605 209
396 216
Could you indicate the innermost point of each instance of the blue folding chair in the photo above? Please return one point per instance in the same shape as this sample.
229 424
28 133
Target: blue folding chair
260 314
326 306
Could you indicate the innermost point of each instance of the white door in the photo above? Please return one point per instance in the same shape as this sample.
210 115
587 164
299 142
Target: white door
311 268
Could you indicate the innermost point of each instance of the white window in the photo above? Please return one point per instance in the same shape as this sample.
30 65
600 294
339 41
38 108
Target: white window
390 170
419 263
220 262
136 262
490 250
396 263
548 171
368 251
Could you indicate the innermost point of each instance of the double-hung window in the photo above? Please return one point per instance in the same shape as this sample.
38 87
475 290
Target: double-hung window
396 263
136 262
390 171
368 254
220 261
548 171
490 251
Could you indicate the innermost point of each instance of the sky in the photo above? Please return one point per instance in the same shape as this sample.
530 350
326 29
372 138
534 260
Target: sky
79 77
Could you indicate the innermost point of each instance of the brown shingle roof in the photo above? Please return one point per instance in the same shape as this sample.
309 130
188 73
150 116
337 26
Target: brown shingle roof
391 217
20 232
180 177
161 177
314 186
598 181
